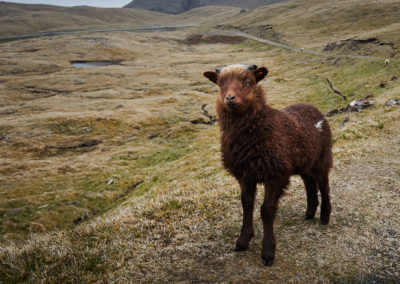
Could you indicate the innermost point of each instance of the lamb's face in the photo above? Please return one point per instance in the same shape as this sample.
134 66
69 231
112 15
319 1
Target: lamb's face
237 85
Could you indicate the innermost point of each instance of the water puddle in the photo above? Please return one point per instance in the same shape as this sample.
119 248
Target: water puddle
85 64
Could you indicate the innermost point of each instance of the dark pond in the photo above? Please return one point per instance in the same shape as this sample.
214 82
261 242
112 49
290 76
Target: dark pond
84 64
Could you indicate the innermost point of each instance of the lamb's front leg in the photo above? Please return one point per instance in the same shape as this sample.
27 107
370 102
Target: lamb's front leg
273 191
248 191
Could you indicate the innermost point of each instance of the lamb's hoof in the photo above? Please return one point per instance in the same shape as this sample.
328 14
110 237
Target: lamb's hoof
324 222
239 248
309 217
268 262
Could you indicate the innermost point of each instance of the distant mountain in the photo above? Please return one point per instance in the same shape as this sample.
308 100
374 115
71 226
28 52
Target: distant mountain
180 6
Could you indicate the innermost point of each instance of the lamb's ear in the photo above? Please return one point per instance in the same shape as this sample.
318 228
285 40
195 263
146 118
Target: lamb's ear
212 76
260 73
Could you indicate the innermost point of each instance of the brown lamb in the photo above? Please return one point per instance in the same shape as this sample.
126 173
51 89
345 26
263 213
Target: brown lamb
260 144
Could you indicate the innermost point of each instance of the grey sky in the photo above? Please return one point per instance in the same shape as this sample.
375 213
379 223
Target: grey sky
95 3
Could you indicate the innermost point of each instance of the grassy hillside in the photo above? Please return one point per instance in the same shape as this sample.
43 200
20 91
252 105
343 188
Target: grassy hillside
17 19
313 24
113 174
179 6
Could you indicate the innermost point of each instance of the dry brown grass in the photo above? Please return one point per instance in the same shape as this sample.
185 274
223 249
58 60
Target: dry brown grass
314 23
181 223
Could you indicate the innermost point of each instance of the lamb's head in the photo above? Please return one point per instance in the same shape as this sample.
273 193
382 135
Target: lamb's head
238 86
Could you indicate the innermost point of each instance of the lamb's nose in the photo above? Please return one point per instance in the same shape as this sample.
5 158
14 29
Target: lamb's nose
230 98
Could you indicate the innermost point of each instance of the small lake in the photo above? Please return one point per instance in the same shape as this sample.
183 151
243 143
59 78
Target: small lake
86 64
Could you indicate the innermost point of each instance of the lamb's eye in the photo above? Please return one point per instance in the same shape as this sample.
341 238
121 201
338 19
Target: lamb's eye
220 84
247 83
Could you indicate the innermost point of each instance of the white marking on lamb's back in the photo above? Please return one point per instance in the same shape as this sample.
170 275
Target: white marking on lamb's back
318 125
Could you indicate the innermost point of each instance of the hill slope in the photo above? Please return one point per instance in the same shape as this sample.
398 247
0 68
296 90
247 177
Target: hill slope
17 19
24 19
179 6
312 23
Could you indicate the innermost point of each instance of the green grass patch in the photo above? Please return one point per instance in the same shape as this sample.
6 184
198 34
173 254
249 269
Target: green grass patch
66 200
355 79
165 156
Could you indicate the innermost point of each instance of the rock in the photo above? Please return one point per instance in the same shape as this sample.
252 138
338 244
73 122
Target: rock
358 105
111 181
394 78
354 106
383 84
392 102
74 203
15 210
153 135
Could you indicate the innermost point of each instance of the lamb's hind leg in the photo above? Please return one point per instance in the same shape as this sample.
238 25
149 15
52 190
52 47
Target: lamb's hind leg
323 185
312 195
248 191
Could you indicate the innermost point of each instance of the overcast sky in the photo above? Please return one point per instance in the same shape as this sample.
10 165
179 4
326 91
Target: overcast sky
95 3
